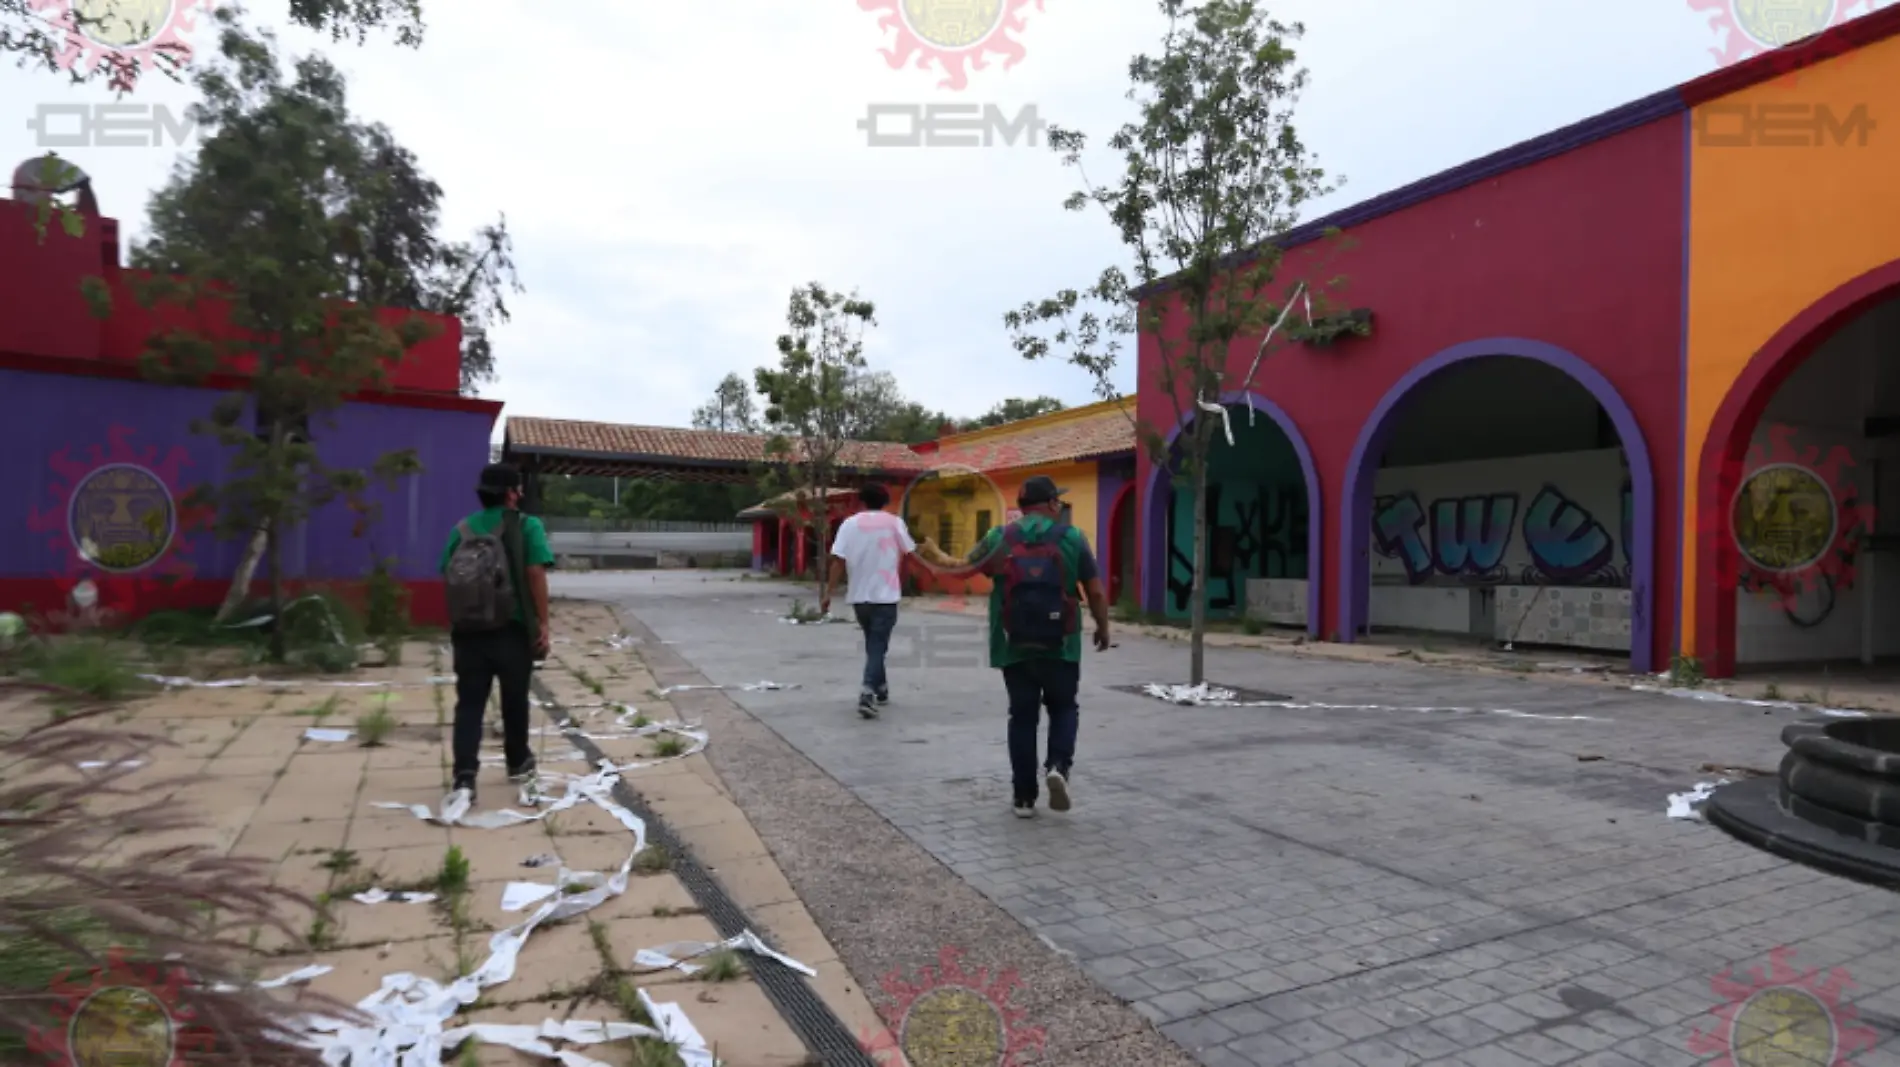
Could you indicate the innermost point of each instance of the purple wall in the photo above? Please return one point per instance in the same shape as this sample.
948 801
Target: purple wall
64 427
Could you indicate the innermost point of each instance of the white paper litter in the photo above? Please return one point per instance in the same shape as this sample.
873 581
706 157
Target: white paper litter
382 896
749 687
820 621
1689 805
297 977
678 955
1710 696
518 895
1211 696
327 733
97 764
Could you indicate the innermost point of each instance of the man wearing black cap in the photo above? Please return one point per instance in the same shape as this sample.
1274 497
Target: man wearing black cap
1035 564
495 566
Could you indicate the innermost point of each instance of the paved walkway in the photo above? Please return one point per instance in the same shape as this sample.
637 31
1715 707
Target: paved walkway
1318 886
311 808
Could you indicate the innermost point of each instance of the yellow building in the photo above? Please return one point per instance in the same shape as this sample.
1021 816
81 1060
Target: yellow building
970 482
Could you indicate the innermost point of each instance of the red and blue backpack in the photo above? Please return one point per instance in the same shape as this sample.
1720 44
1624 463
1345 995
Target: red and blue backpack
1040 610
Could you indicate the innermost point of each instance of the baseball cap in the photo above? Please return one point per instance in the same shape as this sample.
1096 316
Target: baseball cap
1040 489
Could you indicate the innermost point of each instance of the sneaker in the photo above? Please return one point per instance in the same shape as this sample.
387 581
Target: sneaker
1058 791
523 773
464 783
883 696
1025 809
867 704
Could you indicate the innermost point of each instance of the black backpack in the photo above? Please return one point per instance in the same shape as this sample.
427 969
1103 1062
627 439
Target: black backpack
479 582
1039 604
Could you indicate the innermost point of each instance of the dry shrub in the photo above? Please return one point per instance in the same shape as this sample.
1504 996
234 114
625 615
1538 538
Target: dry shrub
89 888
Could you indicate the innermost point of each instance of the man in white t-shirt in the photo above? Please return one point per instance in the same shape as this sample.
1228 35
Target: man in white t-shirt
870 548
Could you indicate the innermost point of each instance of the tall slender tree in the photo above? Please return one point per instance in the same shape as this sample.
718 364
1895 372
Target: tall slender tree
278 186
812 400
1213 173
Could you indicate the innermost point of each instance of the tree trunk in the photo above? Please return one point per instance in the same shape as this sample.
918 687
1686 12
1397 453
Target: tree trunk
246 570
279 638
1197 603
823 564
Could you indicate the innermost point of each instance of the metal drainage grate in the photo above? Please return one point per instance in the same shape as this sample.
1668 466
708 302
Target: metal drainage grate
822 1032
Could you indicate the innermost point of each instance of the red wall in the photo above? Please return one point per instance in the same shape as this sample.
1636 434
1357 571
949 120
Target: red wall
1583 251
44 313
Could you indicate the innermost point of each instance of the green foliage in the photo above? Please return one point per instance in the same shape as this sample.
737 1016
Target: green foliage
1213 174
669 745
1011 410
374 727
385 603
90 666
722 966
453 877
1685 672
731 408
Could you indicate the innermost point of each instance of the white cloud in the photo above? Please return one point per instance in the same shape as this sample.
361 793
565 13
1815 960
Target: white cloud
671 171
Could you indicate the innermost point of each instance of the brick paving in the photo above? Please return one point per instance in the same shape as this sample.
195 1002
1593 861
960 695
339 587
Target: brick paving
1330 887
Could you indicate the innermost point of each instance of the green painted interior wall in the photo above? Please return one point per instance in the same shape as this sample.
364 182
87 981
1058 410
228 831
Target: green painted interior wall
1259 517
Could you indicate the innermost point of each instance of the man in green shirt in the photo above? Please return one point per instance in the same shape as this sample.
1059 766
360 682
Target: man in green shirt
488 654
1040 674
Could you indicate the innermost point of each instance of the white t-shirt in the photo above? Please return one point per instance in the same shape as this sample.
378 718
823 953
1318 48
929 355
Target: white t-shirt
872 544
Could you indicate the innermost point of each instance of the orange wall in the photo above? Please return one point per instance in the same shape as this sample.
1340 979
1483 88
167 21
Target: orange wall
1772 230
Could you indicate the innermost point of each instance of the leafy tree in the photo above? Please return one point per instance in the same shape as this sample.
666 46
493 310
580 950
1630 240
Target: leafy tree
1213 173
814 399
1014 409
38 37
389 253
279 153
731 408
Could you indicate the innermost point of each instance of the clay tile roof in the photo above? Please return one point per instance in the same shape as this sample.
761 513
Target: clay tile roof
614 440
1061 437
1058 438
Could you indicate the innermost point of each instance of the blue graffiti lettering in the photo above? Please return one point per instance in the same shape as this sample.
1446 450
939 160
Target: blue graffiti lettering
1564 540
1395 530
1470 534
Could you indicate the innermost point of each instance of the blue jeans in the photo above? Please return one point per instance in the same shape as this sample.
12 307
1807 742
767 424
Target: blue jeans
877 621
1034 685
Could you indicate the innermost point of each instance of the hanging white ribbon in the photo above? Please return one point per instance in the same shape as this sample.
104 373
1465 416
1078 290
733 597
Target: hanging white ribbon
1261 352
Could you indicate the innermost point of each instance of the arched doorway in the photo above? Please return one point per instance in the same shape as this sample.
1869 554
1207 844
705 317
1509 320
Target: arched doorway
1264 515
1803 445
1527 515
1119 559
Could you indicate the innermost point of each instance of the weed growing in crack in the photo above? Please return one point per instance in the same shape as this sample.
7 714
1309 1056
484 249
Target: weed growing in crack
374 727
669 745
340 859
722 966
453 877
652 859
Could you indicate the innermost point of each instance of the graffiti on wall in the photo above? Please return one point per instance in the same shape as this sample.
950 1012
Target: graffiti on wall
116 515
1262 535
1468 538
1799 524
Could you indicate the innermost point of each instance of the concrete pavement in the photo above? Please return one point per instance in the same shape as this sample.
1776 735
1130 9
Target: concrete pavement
1308 885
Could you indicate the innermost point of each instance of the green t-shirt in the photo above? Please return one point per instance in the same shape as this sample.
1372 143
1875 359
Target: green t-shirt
536 550
1077 560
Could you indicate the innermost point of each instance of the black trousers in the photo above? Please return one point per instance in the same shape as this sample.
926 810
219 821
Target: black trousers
483 660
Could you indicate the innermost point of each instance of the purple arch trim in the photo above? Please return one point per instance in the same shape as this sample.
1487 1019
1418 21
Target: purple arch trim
1154 528
1355 507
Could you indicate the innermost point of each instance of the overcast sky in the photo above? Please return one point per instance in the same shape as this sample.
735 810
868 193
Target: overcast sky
672 171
